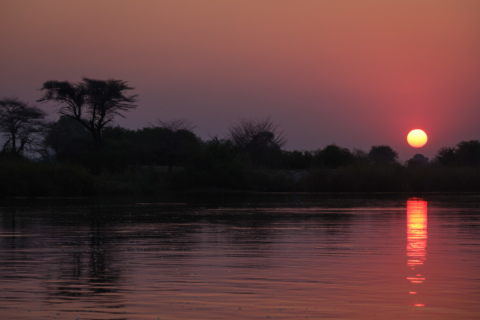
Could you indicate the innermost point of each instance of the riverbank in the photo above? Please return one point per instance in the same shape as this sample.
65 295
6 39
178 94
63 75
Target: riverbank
26 178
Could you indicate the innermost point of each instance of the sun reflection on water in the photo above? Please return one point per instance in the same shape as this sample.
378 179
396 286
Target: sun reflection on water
416 242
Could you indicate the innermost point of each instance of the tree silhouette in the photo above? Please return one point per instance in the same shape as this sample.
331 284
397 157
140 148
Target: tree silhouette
468 153
175 141
418 160
445 156
175 124
61 139
93 103
256 137
20 124
382 155
465 153
333 156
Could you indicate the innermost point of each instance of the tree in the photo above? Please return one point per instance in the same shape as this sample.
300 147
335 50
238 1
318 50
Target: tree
418 160
62 137
382 155
333 156
167 142
215 165
21 124
446 156
175 125
256 137
468 153
297 160
93 103
360 157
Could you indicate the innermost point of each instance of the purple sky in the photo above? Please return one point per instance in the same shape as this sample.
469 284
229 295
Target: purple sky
354 73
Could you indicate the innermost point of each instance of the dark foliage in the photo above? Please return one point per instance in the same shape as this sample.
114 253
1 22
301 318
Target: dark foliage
393 178
64 139
333 157
26 178
446 157
382 155
93 103
168 156
466 153
418 160
297 160
21 125
260 139
176 142
215 165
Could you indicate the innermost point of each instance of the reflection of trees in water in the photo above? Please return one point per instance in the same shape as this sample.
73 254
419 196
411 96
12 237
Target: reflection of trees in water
90 264
250 235
86 254
71 252
15 241
9 223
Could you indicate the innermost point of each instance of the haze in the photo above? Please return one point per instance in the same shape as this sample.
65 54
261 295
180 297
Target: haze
354 73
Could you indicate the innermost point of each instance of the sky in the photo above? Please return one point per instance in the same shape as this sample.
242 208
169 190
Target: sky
354 73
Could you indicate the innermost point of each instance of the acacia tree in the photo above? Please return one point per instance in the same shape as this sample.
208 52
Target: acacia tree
93 103
20 124
256 137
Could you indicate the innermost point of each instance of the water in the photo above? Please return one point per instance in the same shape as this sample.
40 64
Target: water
235 257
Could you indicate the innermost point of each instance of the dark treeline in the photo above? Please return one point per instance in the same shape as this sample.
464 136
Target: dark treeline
85 153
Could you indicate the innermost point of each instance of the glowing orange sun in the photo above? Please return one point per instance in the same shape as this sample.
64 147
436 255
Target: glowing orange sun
417 138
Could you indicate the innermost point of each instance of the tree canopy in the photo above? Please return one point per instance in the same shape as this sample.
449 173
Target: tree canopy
175 141
93 103
382 155
465 153
256 137
20 124
418 160
62 137
333 156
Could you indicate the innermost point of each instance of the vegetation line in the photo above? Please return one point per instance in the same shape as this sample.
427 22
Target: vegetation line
83 153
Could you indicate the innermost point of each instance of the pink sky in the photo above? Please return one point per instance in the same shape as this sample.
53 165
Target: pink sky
354 73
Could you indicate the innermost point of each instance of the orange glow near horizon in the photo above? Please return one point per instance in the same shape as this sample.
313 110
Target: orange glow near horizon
417 138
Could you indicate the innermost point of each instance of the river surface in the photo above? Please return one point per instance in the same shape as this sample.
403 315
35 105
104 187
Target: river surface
265 256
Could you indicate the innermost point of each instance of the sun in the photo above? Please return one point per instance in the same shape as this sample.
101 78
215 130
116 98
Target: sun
417 138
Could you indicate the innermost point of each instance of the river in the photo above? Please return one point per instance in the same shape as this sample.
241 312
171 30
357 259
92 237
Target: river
233 256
